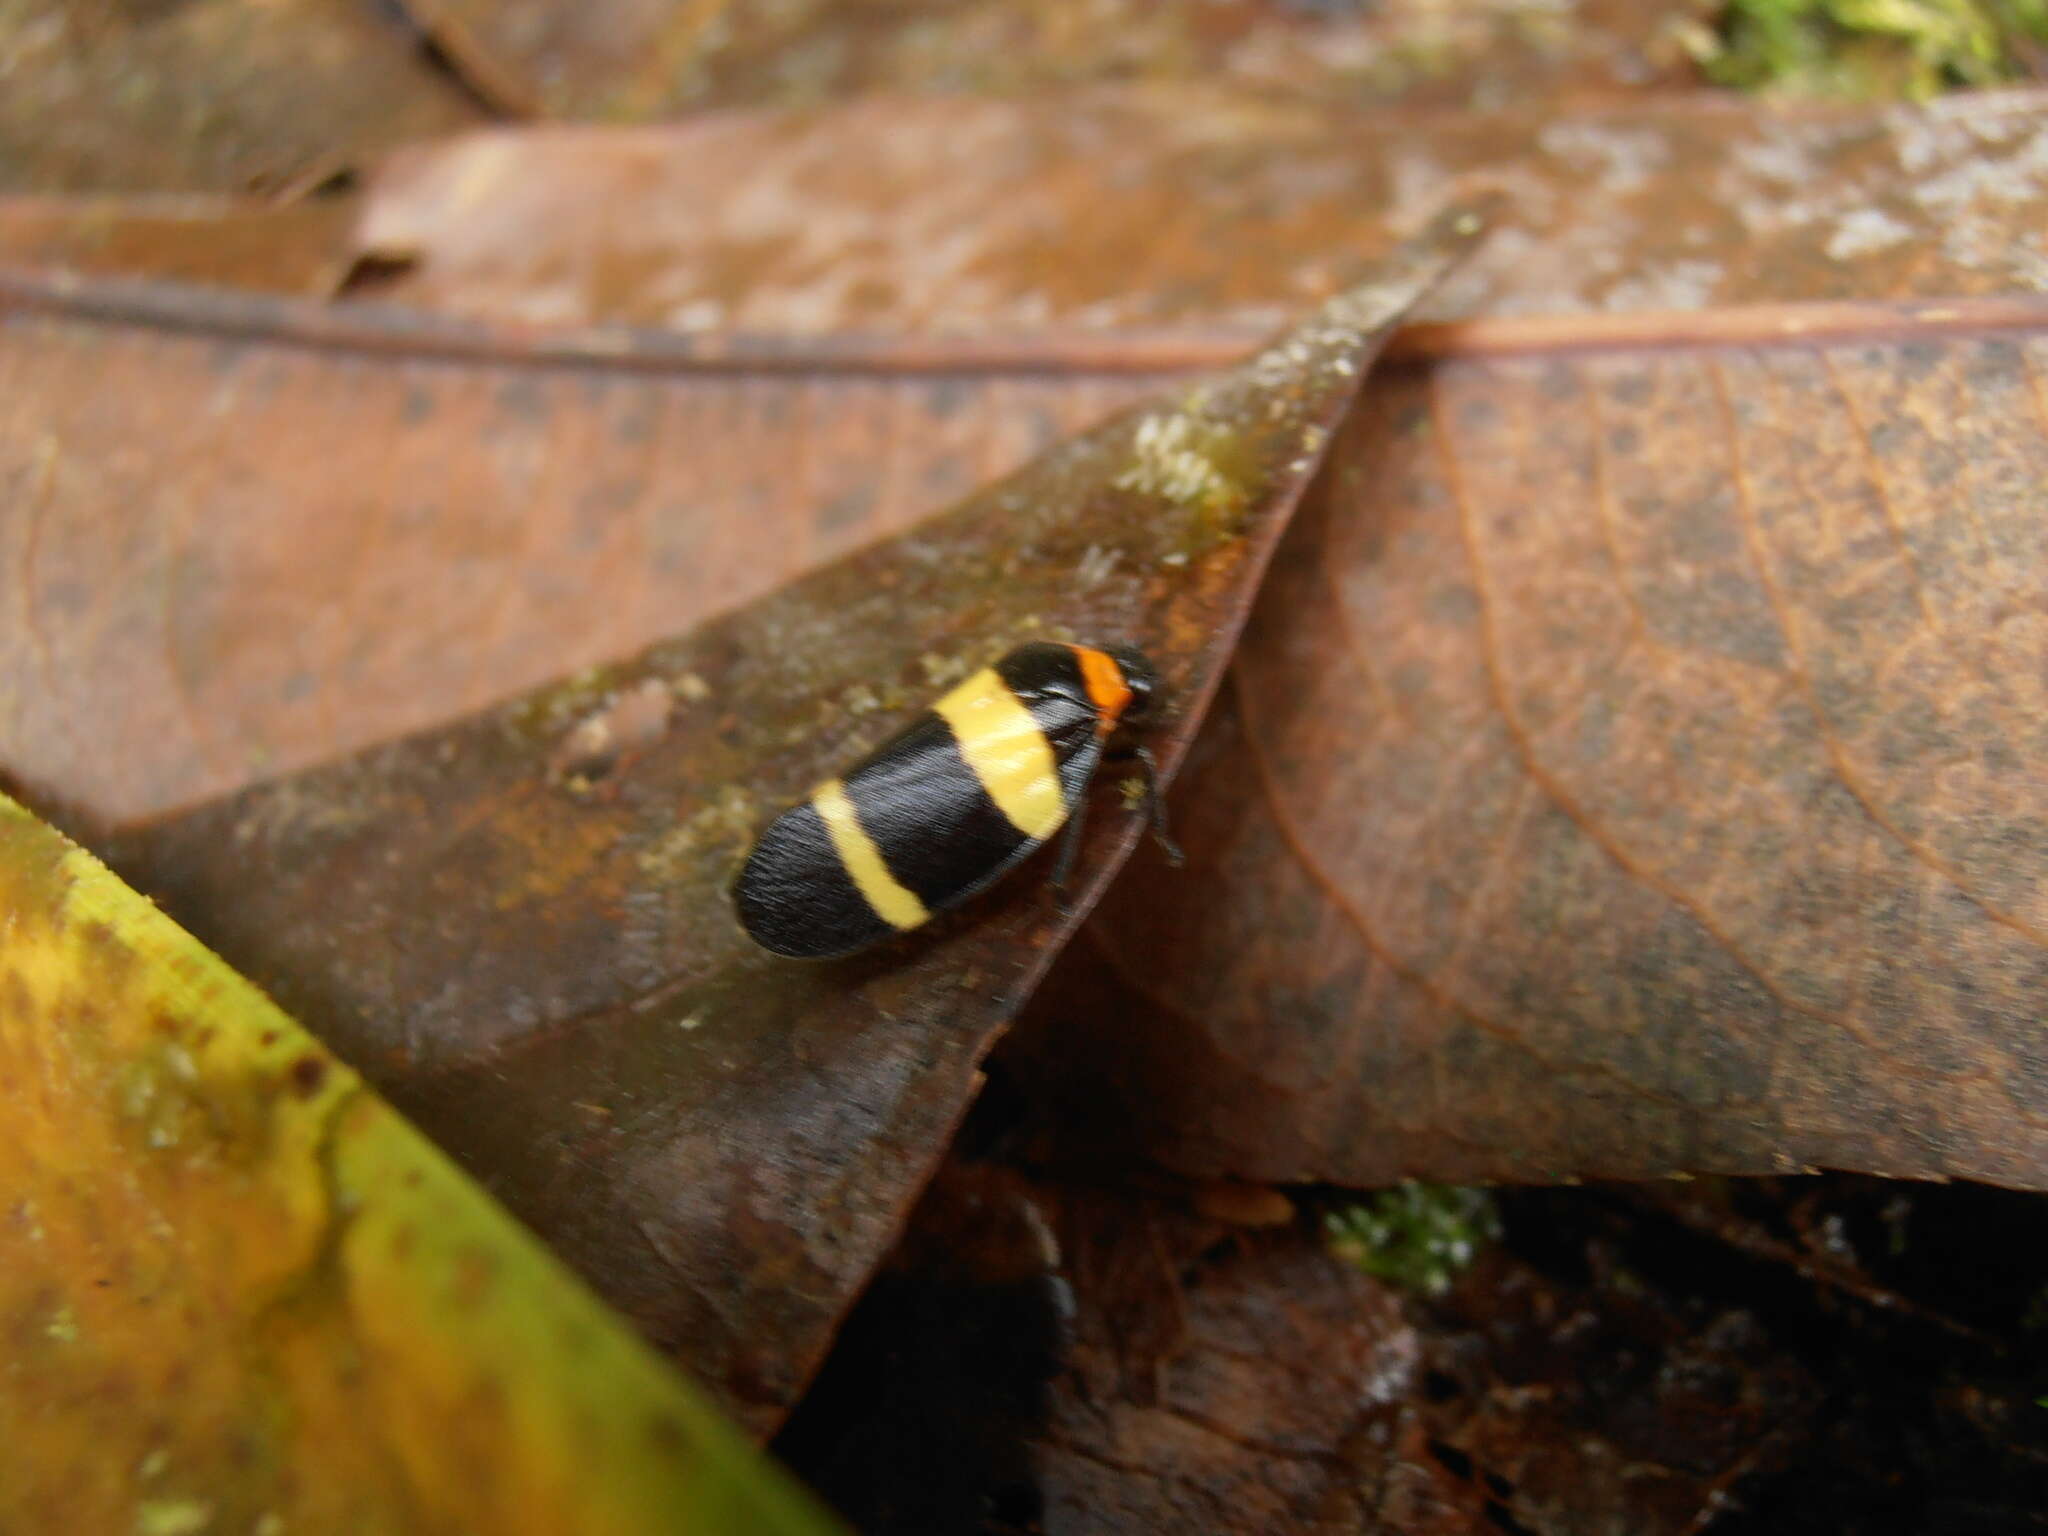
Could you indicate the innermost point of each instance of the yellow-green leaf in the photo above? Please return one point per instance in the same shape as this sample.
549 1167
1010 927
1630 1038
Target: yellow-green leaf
239 1294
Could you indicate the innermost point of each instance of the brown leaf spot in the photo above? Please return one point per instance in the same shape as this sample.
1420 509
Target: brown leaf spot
669 1436
307 1075
474 1275
112 958
16 1001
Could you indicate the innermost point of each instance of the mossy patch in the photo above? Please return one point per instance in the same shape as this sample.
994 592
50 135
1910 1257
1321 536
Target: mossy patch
1415 1236
1873 49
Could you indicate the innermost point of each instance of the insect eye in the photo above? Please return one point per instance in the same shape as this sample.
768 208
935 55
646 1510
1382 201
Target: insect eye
1141 695
1138 677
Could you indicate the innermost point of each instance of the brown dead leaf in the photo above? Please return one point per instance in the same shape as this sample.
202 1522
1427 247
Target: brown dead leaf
249 536
296 248
545 972
231 615
622 60
1632 766
208 95
1047 225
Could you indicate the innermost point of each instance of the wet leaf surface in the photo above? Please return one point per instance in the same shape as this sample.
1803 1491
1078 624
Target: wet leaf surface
626 60
208 95
544 972
239 1293
1091 216
1632 766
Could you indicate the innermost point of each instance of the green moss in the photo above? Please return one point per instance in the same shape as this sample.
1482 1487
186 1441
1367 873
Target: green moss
1872 48
1416 1236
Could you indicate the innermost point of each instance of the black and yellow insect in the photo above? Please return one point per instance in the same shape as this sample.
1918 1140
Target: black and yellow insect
948 805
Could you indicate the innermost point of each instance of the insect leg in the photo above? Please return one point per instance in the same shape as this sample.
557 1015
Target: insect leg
1155 802
1070 849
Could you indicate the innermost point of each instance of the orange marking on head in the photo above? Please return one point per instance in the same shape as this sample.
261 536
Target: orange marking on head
1107 689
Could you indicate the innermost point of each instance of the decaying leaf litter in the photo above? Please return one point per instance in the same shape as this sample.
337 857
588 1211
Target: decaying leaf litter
550 980
272 97
240 97
616 61
1049 1353
1487 1471
1107 223
682 473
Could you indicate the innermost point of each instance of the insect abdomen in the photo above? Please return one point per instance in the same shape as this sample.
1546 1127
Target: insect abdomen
929 818
797 896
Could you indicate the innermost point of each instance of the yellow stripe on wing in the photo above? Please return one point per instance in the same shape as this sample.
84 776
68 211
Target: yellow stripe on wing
1007 751
893 903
